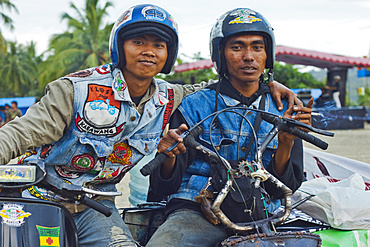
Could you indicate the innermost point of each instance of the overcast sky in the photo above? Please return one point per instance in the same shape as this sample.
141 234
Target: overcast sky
335 26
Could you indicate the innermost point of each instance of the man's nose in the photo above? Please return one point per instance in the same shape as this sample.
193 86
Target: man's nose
148 50
248 55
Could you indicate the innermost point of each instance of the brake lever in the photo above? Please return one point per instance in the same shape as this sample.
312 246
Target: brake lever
306 126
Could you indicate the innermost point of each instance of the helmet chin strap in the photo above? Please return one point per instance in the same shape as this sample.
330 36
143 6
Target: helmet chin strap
270 77
270 74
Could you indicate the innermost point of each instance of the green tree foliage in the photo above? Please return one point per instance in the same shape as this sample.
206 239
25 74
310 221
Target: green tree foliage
193 76
292 78
18 71
4 18
85 44
364 100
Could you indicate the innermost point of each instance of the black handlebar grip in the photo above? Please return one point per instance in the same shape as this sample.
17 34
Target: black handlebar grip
309 138
153 164
107 211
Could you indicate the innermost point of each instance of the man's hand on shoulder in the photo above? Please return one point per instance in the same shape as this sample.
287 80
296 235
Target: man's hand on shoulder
279 91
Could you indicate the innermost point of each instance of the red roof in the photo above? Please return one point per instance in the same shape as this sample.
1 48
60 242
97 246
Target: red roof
201 64
294 56
318 59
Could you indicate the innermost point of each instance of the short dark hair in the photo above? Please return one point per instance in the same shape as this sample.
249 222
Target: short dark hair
15 102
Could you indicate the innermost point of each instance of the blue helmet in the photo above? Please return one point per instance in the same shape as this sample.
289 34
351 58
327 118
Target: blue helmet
144 19
238 21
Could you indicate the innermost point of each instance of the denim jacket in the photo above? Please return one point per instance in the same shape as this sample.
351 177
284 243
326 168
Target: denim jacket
107 136
225 134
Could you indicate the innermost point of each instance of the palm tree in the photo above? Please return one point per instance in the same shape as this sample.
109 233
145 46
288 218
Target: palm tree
6 19
85 44
19 70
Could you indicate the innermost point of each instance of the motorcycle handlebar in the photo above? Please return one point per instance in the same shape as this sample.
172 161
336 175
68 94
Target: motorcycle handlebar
192 133
281 124
153 164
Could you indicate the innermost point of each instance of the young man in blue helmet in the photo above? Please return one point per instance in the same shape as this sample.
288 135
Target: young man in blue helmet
93 126
242 47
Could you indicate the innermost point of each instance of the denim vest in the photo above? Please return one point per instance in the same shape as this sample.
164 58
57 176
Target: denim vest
107 136
198 106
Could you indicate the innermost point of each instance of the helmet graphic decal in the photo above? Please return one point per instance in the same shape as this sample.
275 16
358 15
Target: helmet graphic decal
126 16
244 16
153 13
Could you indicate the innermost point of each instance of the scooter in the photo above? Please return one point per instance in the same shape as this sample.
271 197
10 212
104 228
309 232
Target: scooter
32 222
261 232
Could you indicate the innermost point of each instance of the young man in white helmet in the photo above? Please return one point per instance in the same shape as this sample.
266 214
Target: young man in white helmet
242 47
93 126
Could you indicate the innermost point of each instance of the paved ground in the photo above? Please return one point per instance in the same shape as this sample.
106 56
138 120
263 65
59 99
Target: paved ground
354 144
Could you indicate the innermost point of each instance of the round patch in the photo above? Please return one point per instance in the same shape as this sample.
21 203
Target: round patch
84 162
66 173
81 73
121 154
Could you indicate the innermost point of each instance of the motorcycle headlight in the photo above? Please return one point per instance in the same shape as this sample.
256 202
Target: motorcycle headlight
17 173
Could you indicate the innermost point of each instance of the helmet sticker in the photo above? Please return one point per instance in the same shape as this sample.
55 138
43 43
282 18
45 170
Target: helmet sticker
153 13
174 24
125 17
13 214
244 16
217 29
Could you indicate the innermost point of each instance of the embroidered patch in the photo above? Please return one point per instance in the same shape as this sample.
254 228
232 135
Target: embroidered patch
81 73
13 214
45 150
27 154
121 154
49 236
101 112
44 194
84 162
169 107
104 69
119 86
108 174
67 173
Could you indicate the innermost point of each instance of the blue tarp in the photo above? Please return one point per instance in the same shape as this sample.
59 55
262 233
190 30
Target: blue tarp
23 102
315 92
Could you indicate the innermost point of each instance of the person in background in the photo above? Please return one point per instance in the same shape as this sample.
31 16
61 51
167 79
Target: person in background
336 91
13 112
2 115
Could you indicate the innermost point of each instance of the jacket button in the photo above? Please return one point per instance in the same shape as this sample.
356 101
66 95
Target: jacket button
133 118
244 149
